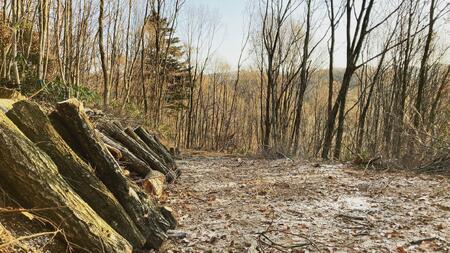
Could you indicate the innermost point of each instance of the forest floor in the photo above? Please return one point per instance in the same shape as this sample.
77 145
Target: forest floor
250 205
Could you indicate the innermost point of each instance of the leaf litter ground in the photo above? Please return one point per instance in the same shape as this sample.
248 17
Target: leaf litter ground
249 205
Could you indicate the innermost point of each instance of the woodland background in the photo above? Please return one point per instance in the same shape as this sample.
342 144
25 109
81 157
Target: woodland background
283 97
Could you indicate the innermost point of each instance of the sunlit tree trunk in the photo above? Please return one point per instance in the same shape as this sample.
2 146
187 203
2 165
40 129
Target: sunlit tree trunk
106 87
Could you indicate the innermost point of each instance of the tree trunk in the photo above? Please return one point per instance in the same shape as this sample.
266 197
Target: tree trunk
106 87
43 19
33 122
33 178
15 5
141 210
419 114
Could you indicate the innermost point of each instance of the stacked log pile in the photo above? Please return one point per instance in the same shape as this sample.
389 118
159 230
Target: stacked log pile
99 183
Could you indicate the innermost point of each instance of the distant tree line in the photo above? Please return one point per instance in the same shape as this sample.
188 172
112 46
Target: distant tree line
285 94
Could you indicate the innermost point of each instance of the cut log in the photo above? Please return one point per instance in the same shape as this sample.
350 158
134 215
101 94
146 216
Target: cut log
148 139
57 123
154 181
131 161
129 131
33 122
167 212
116 153
111 130
153 184
33 179
136 203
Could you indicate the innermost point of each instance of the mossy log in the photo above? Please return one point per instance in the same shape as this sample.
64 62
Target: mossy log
142 211
34 123
33 178
112 130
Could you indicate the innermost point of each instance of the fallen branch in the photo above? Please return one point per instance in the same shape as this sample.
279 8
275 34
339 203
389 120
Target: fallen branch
12 242
263 238
420 241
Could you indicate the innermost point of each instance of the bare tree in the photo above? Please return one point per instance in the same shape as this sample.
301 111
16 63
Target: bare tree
106 87
354 44
16 10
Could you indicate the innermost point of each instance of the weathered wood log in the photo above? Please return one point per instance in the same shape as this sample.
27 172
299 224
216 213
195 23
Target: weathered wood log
136 203
160 143
33 122
131 161
116 153
167 212
153 184
111 130
129 131
33 179
148 139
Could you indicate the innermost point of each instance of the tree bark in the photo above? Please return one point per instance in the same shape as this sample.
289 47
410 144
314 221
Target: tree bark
151 142
419 114
15 6
33 178
106 87
111 130
132 162
129 131
141 210
33 122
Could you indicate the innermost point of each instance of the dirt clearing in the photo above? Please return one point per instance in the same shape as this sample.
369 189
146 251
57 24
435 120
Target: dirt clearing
244 205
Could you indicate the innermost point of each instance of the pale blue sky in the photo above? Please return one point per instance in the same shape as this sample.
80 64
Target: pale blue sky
232 14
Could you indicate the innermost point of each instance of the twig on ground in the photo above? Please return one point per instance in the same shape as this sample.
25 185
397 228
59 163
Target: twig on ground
264 239
12 242
420 241
371 161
